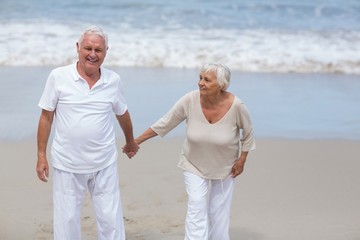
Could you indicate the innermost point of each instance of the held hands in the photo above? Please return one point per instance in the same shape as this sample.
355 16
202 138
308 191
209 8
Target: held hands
130 149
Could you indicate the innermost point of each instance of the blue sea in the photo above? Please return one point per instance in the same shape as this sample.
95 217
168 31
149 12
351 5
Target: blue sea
295 63
247 35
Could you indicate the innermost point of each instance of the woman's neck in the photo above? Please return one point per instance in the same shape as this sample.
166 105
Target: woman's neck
208 101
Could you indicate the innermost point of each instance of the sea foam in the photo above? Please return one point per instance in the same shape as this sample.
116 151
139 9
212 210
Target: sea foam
258 50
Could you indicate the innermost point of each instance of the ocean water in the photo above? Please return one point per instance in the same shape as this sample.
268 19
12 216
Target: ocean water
312 36
311 48
292 106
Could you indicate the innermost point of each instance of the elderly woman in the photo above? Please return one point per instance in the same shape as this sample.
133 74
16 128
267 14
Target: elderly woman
219 135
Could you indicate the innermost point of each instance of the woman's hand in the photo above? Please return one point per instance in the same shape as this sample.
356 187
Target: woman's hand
238 167
130 149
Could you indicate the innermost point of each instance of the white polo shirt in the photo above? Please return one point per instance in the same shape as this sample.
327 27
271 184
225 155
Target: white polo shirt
84 137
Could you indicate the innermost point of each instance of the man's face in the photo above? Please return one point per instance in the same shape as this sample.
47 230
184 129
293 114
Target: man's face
91 51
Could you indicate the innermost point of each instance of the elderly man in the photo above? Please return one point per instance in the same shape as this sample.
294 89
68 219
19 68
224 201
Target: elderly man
82 99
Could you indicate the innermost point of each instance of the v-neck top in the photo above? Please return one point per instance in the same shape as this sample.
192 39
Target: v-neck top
210 149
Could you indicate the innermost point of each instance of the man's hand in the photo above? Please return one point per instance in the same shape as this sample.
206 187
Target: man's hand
42 169
130 149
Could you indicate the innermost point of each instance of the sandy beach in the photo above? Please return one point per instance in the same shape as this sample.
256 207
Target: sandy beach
296 66
291 189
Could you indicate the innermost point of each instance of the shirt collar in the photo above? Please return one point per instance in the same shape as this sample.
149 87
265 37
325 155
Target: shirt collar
77 77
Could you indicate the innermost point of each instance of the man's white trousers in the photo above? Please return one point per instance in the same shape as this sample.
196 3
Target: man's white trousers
68 194
209 204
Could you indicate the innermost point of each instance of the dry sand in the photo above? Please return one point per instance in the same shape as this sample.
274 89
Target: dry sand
290 190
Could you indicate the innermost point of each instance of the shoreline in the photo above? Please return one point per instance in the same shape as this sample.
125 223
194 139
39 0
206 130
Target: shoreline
290 106
290 189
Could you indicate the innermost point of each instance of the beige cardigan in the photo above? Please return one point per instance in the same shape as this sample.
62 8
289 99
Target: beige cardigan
209 150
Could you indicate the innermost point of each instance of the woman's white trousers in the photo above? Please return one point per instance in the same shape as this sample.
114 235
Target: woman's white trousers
209 204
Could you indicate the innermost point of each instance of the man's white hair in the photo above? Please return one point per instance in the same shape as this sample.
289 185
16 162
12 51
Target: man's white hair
94 30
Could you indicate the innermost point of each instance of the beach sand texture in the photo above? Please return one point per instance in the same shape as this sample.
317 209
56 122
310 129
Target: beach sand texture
291 189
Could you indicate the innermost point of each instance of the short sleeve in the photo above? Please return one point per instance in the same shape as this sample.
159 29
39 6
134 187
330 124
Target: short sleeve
244 123
50 96
172 118
120 105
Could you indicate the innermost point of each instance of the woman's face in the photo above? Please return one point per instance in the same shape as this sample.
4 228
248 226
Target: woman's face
208 83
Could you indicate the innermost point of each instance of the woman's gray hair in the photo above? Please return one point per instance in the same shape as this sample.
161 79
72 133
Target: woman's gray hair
94 30
221 72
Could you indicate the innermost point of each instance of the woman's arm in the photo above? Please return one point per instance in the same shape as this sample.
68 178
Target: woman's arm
169 121
149 133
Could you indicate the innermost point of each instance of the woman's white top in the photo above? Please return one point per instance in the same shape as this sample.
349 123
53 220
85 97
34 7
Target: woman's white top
209 150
